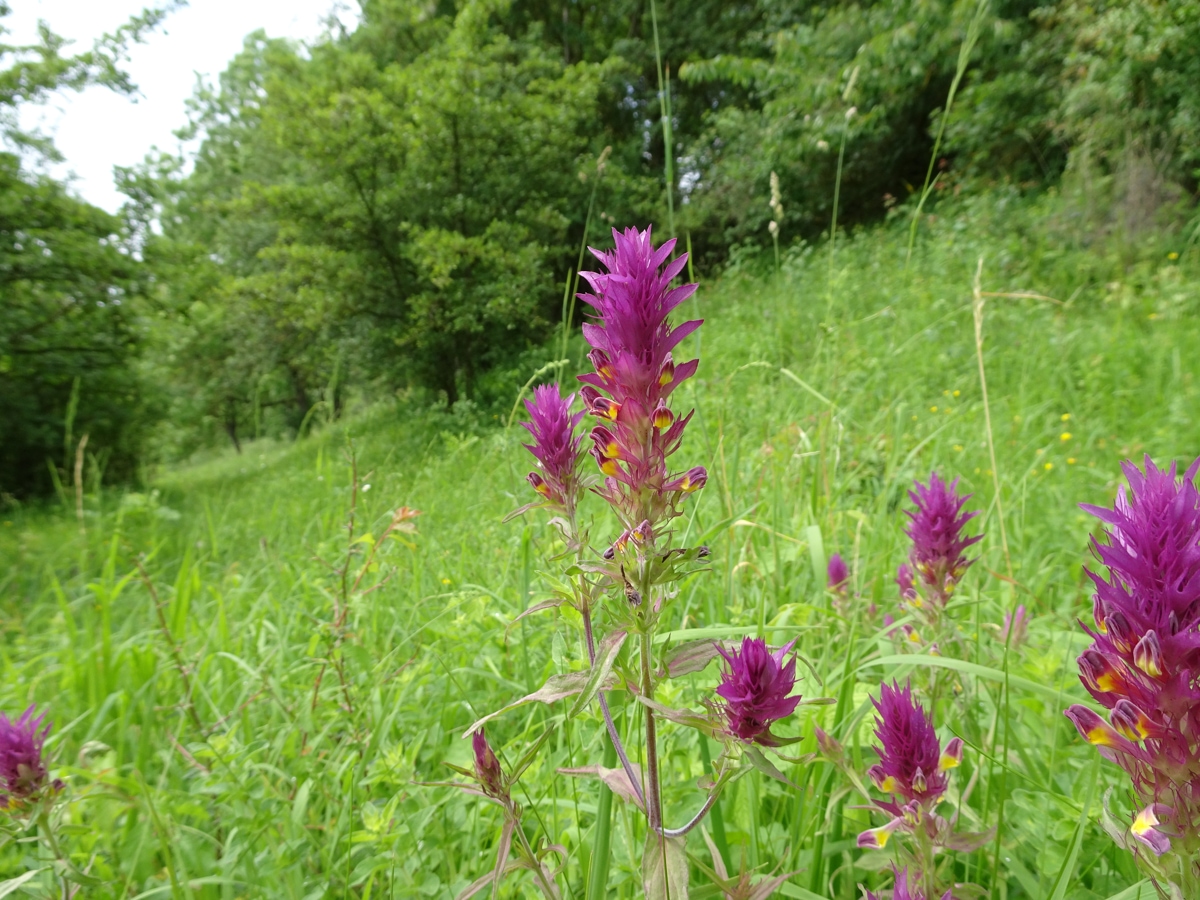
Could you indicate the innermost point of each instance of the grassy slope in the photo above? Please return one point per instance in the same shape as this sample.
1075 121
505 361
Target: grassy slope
284 779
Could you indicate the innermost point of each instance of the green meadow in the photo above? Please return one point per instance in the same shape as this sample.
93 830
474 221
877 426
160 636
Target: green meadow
256 668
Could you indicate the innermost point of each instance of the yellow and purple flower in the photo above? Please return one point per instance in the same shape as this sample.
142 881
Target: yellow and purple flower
936 528
755 684
1143 665
911 764
556 447
22 764
912 767
635 373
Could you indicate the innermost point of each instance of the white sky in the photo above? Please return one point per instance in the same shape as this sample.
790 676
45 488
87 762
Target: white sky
97 129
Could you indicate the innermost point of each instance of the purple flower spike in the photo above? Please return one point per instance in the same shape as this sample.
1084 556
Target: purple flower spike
905 889
911 764
1143 665
22 767
755 686
839 575
555 445
939 547
635 373
487 767
904 581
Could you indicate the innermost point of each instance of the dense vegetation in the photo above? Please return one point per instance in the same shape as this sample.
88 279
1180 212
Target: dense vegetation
288 762
260 431
400 207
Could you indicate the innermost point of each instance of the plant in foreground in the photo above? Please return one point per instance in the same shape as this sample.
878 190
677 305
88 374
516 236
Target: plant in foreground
624 588
28 795
1143 666
913 769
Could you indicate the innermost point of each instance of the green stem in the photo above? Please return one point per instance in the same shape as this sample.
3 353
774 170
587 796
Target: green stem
598 877
538 872
715 815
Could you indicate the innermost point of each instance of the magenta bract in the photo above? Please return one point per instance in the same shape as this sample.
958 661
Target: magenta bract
487 766
912 766
1144 661
905 889
22 767
755 685
555 446
936 529
635 374
838 574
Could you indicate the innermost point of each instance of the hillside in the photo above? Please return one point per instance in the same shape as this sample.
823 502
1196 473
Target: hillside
253 716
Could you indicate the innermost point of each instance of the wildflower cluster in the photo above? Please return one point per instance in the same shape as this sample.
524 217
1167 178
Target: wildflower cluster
937 560
23 777
556 448
635 374
938 544
623 588
1143 665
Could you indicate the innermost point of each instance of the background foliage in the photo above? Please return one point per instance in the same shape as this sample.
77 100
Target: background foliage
400 207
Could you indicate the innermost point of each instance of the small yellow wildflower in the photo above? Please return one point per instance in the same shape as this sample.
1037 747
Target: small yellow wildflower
1070 460
1048 466
1066 417
1065 436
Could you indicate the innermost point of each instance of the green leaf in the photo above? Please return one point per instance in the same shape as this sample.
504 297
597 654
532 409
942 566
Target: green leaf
7 887
1067 872
665 868
767 767
556 688
300 804
606 656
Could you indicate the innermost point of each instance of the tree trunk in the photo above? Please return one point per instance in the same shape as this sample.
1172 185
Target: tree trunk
231 425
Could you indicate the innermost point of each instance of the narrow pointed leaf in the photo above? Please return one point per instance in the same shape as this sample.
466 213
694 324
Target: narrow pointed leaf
606 656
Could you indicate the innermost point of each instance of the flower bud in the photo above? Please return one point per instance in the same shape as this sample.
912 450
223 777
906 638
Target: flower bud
487 767
1147 655
1098 673
601 363
1120 632
667 373
663 417
691 480
831 749
1145 830
604 408
608 466
606 442
1130 721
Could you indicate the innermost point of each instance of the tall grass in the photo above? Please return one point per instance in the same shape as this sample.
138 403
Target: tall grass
239 723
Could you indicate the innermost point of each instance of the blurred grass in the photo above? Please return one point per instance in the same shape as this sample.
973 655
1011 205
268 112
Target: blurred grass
820 397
